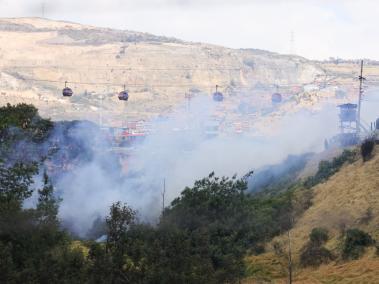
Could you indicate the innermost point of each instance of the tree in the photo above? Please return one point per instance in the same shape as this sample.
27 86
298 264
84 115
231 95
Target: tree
15 185
33 248
215 216
26 117
22 132
120 218
48 204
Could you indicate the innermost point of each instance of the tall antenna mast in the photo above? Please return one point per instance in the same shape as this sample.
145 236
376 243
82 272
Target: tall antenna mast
361 79
43 9
292 43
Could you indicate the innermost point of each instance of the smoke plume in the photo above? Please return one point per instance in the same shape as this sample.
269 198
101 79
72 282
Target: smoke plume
181 148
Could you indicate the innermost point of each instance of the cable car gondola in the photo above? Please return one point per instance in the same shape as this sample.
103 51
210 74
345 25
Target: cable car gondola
66 92
276 98
218 96
123 96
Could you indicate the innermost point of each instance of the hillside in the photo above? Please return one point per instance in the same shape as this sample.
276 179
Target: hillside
364 270
348 199
343 202
39 55
212 229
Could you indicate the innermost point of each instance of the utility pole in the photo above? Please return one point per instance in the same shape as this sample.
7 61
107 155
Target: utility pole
361 79
101 110
290 264
188 97
289 258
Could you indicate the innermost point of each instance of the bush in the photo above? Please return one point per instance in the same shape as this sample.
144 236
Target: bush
315 256
313 253
319 236
355 242
366 149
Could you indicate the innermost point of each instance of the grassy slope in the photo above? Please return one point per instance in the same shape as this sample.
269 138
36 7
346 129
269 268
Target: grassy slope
341 202
364 270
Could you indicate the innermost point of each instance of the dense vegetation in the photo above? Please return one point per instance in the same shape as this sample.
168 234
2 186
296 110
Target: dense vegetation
201 238
32 246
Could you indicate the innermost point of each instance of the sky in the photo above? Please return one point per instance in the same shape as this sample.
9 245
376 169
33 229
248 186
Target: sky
315 29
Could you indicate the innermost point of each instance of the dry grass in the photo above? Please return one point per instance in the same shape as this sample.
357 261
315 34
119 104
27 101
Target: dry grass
340 203
78 245
265 267
311 167
343 202
365 270
268 268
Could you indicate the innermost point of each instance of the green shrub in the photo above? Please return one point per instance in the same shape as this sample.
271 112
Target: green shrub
366 149
315 256
319 236
354 243
313 253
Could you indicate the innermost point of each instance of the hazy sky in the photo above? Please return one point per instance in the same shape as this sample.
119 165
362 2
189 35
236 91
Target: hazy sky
321 28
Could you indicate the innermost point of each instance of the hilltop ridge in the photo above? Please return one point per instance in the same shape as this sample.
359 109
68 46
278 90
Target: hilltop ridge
162 75
39 55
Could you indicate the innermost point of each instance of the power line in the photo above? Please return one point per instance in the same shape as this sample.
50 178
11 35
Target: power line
118 84
331 81
150 85
120 67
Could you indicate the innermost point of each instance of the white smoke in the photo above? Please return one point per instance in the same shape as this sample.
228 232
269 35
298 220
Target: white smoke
179 152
